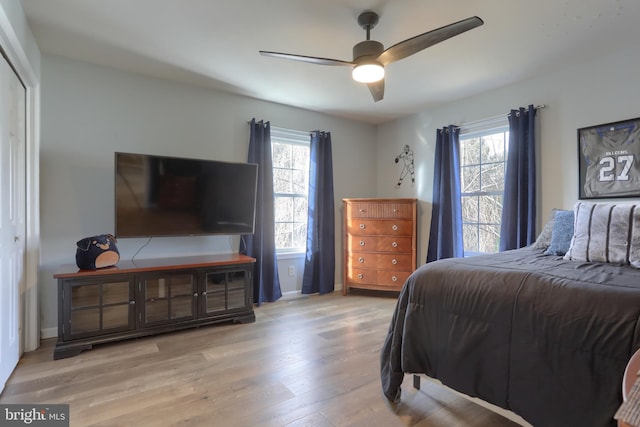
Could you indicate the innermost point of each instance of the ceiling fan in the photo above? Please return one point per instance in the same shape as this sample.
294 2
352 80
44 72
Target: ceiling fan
370 56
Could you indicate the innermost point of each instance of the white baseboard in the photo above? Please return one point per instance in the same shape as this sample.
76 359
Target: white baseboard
48 333
297 293
291 294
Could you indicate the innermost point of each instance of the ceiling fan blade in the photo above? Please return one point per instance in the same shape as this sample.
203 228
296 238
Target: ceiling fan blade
377 89
310 59
416 44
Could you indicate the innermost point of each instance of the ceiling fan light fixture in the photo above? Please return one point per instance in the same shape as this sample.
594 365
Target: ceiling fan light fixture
370 56
368 72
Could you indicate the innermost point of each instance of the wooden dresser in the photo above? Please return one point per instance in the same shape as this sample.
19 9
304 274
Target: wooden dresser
379 243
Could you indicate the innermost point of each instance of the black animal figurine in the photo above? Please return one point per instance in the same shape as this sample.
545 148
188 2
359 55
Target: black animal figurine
97 252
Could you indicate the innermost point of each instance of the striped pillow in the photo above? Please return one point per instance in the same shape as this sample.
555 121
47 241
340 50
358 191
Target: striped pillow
606 233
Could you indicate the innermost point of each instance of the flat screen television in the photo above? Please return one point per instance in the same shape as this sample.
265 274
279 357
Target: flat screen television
173 196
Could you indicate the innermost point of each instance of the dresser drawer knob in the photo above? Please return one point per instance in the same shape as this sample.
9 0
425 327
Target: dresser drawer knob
394 228
360 276
361 260
394 261
394 278
362 243
362 226
394 244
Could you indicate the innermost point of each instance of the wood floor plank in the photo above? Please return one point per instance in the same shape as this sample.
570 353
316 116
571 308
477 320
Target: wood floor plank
306 361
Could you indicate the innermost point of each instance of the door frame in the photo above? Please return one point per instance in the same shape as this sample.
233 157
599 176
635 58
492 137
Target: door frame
22 52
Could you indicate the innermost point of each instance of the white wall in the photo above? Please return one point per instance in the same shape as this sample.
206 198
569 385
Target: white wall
602 89
89 111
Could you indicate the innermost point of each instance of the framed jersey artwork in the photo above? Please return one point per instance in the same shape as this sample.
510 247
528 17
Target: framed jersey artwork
609 163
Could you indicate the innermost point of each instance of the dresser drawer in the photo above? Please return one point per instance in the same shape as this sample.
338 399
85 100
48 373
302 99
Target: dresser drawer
399 244
368 227
387 210
380 261
388 279
392 278
357 275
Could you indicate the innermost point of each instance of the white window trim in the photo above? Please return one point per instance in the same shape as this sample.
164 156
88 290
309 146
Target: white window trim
484 132
296 137
290 135
289 254
498 124
470 129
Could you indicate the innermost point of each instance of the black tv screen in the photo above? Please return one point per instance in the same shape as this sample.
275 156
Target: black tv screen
173 196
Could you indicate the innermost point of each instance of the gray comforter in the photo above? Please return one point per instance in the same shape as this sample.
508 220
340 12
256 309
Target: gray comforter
546 338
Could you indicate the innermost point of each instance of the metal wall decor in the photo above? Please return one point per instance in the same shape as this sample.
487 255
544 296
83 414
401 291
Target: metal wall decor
407 169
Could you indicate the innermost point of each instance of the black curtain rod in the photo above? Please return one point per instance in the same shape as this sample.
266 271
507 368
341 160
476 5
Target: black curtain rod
483 122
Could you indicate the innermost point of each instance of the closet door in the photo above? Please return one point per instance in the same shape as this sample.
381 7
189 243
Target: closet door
12 216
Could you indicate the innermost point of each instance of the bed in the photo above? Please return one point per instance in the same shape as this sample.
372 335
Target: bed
547 337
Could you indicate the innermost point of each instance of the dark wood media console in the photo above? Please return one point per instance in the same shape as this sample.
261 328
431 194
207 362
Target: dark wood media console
150 296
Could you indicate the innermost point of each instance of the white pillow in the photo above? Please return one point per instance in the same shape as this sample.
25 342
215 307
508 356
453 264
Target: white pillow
606 232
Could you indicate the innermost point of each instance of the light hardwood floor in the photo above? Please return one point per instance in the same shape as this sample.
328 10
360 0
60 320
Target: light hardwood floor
306 361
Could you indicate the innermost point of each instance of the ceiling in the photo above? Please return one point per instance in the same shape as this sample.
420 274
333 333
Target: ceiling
215 43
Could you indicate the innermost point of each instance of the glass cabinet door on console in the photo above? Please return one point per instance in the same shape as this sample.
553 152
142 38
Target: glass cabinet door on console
168 297
225 291
98 307
150 297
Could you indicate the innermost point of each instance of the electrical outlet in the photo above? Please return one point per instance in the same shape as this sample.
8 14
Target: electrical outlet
292 270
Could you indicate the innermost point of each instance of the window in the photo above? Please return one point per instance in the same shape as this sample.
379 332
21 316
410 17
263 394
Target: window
290 151
483 158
